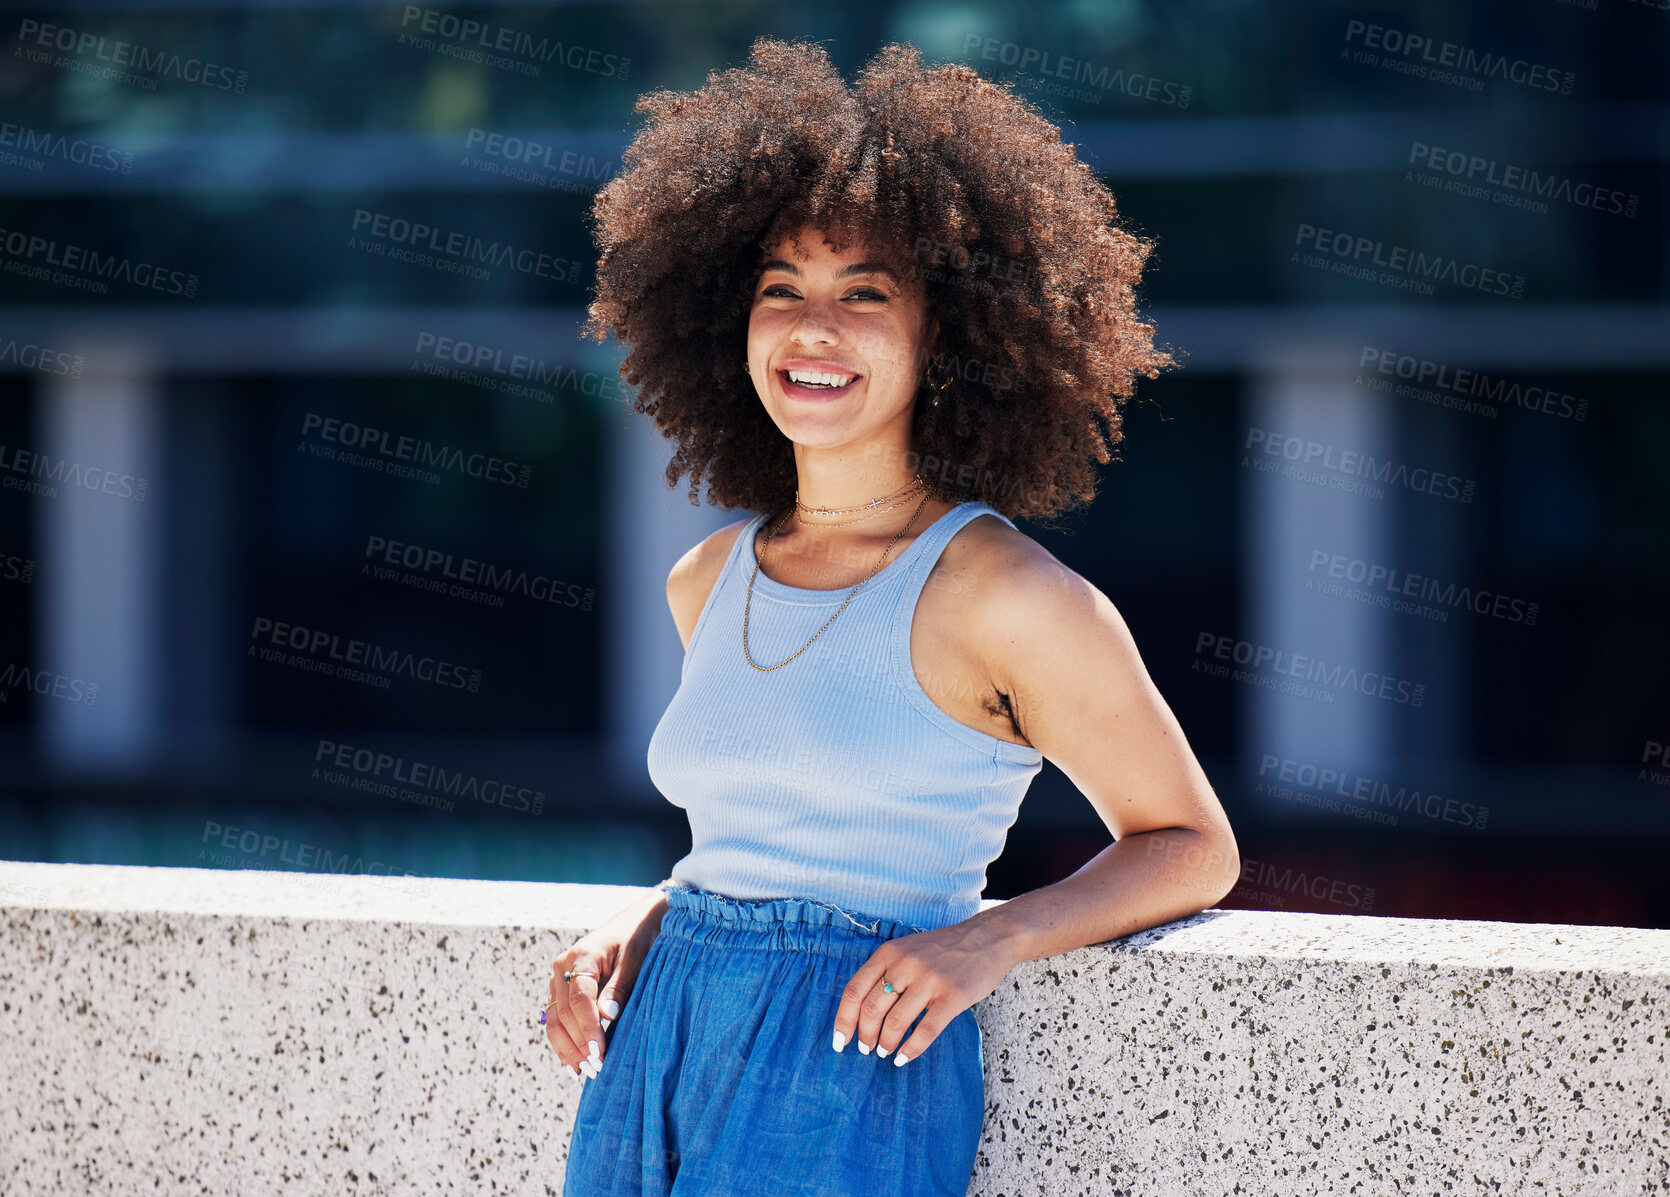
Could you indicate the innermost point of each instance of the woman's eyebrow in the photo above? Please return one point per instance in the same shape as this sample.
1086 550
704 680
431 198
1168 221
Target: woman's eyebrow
844 272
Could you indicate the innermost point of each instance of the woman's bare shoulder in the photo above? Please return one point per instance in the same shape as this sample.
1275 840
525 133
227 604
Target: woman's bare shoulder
1009 578
692 577
988 550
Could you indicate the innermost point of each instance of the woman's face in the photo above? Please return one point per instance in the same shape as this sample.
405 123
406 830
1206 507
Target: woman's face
846 315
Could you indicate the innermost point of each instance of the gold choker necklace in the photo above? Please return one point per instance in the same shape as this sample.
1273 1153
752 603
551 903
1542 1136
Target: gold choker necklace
898 496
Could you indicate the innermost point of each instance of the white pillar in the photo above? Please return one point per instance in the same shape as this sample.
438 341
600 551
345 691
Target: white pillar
101 545
1286 521
650 526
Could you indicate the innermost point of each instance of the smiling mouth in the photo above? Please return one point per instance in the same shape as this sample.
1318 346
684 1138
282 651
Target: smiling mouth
810 390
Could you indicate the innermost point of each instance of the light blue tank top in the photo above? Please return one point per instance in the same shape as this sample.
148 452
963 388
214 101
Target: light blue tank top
835 777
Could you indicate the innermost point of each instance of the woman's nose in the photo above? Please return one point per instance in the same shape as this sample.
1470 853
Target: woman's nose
814 332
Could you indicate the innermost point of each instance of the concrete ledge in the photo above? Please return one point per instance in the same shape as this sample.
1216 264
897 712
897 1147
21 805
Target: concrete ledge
204 1031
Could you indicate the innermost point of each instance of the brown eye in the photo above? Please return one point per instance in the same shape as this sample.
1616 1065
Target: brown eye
783 291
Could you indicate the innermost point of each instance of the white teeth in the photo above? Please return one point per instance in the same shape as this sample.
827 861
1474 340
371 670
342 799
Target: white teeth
830 380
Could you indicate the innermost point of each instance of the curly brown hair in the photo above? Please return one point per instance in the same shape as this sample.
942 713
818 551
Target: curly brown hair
941 172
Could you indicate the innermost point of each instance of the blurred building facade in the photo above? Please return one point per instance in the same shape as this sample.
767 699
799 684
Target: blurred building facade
312 535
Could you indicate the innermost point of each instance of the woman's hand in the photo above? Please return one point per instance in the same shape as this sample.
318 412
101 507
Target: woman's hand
944 971
582 1008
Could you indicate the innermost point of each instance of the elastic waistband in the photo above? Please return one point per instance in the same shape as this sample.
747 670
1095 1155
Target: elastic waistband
789 924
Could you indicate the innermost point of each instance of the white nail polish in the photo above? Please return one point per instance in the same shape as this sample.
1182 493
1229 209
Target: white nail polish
840 1041
900 1059
610 1007
595 1051
863 1047
881 1051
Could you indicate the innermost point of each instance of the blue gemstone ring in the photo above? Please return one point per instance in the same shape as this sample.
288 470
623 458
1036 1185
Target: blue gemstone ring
569 975
887 986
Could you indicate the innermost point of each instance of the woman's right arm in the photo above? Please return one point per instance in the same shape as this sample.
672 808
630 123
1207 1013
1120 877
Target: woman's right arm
614 951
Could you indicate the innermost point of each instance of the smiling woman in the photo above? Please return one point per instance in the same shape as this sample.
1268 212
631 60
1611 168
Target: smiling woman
959 188
887 320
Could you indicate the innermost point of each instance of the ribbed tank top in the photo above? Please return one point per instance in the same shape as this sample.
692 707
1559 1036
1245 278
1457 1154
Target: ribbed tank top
835 777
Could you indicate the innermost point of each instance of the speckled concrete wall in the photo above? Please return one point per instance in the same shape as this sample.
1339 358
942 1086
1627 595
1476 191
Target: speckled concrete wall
174 1031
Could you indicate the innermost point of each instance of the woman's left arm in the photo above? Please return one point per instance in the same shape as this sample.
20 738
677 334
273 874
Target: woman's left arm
1062 653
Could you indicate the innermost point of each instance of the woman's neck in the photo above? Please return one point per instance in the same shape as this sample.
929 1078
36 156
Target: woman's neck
844 496
914 512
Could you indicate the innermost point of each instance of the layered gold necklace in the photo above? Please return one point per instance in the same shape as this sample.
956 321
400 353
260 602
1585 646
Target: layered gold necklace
872 509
